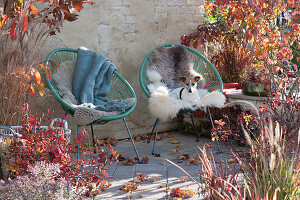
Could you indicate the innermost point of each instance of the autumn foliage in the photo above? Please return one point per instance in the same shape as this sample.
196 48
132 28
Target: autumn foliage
24 28
84 165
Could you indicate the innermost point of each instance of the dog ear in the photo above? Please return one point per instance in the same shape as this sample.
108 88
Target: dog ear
182 79
197 78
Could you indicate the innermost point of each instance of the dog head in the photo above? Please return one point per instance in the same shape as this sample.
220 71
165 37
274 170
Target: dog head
190 84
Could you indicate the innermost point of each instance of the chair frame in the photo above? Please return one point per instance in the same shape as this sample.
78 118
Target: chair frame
142 75
56 55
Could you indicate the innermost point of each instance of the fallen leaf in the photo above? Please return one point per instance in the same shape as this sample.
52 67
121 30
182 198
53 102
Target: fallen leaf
141 195
168 135
174 151
106 168
100 142
183 157
174 142
140 178
142 188
183 179
154 179
157 155
176 192
194 160
158 137
188 193
128 162
145 160
111 141
128 187
137 138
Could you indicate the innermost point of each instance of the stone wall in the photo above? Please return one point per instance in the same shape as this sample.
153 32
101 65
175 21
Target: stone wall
125 31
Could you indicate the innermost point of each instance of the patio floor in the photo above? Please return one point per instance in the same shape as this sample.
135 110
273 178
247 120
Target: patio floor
158 167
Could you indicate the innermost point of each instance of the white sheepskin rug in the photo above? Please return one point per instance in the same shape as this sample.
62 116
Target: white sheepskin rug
165 107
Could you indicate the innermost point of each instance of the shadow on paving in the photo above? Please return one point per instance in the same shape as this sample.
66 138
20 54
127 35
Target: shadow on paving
167 176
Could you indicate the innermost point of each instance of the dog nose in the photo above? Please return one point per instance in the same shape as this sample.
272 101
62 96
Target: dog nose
190 90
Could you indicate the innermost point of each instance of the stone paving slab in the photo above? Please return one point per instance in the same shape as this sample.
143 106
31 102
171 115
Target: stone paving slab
159 167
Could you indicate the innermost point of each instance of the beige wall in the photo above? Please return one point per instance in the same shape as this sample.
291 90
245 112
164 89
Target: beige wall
125 31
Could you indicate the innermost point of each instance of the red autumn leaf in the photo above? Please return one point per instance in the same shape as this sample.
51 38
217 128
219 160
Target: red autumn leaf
265 55
3 21
33 10
280 55
289 56
295 66
31 90
12 32
276 68
281 84
24 24
103 182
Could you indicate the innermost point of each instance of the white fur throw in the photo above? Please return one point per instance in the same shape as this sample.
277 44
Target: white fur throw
165 107
84 113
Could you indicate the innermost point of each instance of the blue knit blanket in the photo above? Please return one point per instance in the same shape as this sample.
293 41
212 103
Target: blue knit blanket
92 80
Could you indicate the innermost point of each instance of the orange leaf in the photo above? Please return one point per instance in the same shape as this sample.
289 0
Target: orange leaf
78 6
33 10
12 32
37 76
103 182
55 2
3 21
176 192
91 2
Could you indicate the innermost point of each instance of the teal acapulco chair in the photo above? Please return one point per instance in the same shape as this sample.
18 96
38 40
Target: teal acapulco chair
119 90
201 65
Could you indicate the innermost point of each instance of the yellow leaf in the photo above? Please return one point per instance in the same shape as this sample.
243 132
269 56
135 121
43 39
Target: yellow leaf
174 142
41 89
142 188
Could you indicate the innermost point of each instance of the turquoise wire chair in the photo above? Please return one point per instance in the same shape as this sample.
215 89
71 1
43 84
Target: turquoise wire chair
119 90
201 65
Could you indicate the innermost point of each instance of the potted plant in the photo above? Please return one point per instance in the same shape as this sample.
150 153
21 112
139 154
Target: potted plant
256 83
231 62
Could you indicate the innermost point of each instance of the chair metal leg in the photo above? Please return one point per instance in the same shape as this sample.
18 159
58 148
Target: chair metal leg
148 141
194 127
213 126
137 154
157 125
